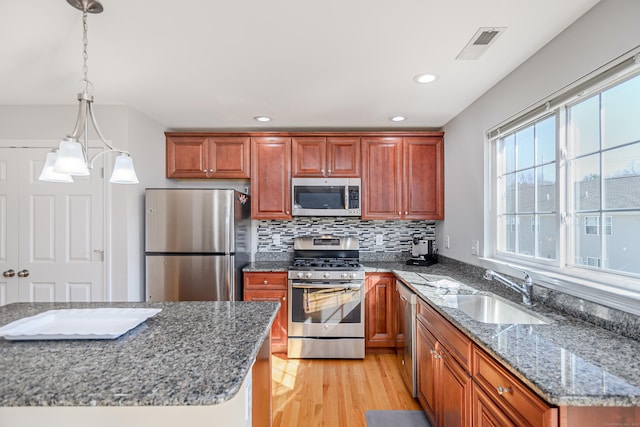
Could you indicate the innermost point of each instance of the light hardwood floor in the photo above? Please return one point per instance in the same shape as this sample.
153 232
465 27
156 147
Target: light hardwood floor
336 393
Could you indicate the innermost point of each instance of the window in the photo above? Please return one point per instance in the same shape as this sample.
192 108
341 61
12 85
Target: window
526 183
564 175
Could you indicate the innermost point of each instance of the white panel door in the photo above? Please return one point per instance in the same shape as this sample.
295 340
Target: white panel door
9 215
57 229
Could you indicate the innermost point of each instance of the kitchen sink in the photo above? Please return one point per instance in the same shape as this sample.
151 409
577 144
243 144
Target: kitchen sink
487 309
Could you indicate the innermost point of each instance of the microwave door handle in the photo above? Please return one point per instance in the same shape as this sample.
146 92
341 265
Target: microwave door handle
346 197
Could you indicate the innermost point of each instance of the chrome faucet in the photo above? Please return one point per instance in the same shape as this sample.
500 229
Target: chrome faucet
526 289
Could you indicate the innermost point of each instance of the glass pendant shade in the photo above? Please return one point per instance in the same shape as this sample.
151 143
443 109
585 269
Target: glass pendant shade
123 171
70 159
49 175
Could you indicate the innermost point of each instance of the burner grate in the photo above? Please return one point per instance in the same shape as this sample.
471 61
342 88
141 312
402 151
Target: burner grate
327 263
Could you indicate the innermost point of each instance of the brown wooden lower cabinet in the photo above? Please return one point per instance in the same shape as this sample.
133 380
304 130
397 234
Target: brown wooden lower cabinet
261 398
486 413
444 386
599 416
511 397
270 287
379 310
461 385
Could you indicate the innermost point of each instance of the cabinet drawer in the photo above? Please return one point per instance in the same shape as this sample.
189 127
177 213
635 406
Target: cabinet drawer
523 406
265 281
451 338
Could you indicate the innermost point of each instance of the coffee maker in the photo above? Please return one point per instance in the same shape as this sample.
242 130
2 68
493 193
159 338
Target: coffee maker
423 251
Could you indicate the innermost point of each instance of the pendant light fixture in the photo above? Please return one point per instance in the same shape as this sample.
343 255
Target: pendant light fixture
72 156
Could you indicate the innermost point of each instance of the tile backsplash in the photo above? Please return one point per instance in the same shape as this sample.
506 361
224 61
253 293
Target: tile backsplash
374 236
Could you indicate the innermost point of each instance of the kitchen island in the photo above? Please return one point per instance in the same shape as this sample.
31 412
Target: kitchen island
191 363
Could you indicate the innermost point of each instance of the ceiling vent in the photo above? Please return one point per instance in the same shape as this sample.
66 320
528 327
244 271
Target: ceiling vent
480 42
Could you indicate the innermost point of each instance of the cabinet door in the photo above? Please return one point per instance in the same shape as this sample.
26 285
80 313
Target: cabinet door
229 157
455 386
379 312
423 195
343 156
513 398
271 178
187 156
486 413
279 328
309 154
265 280
381 178
427 370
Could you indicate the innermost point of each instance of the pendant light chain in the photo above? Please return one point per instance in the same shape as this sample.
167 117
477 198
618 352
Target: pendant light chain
85 55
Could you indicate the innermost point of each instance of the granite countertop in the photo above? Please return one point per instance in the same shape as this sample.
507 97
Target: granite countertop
268 266
191 353
568 362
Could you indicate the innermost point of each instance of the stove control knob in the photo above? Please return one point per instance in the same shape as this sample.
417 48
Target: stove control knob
326 275
353 275
309 275
344 275
300 275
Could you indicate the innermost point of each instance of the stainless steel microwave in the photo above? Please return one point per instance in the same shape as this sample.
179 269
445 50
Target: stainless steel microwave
326 196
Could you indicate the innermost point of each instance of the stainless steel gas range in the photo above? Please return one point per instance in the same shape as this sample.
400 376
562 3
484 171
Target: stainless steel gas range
326 298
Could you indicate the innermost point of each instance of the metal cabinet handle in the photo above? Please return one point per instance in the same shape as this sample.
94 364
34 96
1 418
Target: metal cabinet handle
435 354
406 212
502 390
9 273
266 282
329 172
23 273
284 298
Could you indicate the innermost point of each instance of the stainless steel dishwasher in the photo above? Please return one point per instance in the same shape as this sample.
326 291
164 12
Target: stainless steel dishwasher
406 301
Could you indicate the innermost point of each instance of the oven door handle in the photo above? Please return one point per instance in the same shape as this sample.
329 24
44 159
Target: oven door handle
302 285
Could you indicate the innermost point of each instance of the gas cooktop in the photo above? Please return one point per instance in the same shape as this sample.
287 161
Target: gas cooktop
326 264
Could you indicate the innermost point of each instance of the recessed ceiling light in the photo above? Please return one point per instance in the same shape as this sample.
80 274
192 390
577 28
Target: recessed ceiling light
425 78
398 118
262 118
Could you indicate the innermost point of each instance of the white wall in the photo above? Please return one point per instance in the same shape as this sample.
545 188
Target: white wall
605 32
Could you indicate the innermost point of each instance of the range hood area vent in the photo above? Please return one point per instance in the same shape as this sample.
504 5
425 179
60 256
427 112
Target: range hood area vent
480 42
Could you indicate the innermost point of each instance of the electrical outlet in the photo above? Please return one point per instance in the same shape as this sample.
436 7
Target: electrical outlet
447 242
276 239
475 247
379 240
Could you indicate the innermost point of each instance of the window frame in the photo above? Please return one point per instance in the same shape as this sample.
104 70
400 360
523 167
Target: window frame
614 289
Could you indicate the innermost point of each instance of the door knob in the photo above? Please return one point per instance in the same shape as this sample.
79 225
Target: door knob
23 273
9 273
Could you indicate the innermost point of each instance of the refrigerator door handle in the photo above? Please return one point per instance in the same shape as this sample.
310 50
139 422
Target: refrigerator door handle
227 231
230 274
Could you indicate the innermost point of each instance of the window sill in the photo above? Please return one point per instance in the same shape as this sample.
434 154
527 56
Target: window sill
606 289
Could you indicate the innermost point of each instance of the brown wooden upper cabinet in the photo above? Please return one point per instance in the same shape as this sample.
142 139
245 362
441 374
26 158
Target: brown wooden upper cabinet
271 177
207 156
403 177
331 156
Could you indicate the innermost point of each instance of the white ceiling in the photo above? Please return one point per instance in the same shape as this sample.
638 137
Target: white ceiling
323 64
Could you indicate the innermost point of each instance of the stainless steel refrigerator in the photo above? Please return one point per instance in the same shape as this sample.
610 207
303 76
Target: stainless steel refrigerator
196 243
